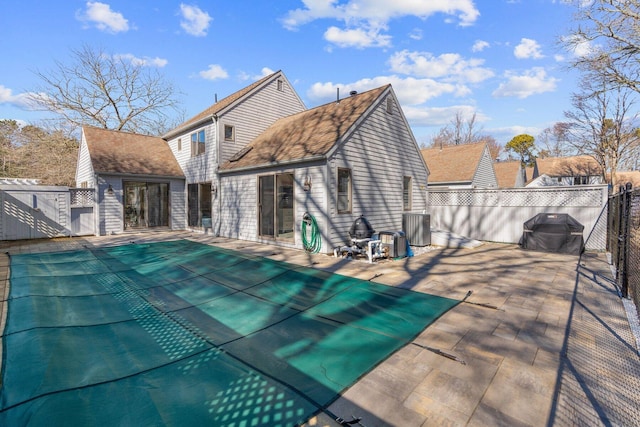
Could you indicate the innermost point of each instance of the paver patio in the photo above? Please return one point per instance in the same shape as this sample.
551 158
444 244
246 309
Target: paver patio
543 339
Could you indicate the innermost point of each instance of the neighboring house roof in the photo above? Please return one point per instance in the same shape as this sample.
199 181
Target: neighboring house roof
224 103
453 163
509 174
129 153
622 177
306 135
568 166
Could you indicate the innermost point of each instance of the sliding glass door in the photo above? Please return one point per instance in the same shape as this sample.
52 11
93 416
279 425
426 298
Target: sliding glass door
275 206
146 204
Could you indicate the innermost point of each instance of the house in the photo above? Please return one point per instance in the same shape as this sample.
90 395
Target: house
460 166
510 174
207 140
353 157
252 165
561 171
137 180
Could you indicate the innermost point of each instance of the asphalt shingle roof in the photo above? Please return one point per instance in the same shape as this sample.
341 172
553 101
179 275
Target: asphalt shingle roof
305 135
130 153
454 163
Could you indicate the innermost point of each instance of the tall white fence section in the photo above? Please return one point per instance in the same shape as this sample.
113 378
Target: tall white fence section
38 212
498 215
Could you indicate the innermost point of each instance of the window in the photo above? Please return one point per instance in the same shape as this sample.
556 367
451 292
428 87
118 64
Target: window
406 193
179 144
280 85
197 143
229 133
344 191
580 180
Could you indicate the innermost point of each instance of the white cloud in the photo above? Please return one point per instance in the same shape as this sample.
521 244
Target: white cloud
357 37
21 100
416 34
410 91
448 66
194 20
580 47
143 62
532 82
528 48
440 116
214 72
365 19
101 15
479 46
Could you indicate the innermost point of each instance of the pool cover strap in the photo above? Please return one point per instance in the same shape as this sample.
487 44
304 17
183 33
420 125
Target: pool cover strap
177 333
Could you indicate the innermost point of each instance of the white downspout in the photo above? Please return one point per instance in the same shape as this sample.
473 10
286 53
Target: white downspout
218 202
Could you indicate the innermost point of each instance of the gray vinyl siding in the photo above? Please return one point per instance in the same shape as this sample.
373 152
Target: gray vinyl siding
84 171
485 176
110 213
380 153
199 168
238 207
177 205
255 114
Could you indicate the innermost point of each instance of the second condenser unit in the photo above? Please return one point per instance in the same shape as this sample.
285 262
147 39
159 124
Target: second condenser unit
417 228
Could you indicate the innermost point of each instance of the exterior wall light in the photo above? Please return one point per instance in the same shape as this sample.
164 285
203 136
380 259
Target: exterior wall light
307 183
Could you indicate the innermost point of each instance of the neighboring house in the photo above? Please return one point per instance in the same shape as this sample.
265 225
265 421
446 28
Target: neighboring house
510 174
338 161
138 181
562 171
460 166
213 136
250 166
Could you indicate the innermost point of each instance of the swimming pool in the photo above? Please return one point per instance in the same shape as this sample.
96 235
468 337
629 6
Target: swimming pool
182 333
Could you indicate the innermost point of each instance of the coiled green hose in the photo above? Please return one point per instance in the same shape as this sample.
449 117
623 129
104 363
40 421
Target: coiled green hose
314 244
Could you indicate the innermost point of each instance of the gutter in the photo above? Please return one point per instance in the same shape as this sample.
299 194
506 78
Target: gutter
273 164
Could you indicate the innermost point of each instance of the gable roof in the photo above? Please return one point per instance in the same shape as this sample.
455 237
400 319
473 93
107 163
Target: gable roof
508 174
568 166
219 106
307 135
622 177
454 163
129 153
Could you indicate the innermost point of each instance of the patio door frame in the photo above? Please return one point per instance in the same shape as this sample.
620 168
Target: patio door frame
276 206
137 212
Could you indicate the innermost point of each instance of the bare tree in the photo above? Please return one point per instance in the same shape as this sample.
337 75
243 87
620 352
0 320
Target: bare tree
603 124
465 131
553 141
107 91
607 38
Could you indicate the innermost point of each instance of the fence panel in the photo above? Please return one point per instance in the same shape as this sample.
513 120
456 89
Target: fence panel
498 215
623 240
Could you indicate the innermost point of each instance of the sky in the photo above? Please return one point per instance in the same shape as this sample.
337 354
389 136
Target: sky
497 59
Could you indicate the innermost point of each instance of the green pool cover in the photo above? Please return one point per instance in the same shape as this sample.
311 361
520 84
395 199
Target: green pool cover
182 333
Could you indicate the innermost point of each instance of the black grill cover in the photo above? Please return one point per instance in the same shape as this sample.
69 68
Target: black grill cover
551 232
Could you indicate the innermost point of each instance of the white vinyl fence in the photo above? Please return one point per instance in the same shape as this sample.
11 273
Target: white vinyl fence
498 215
